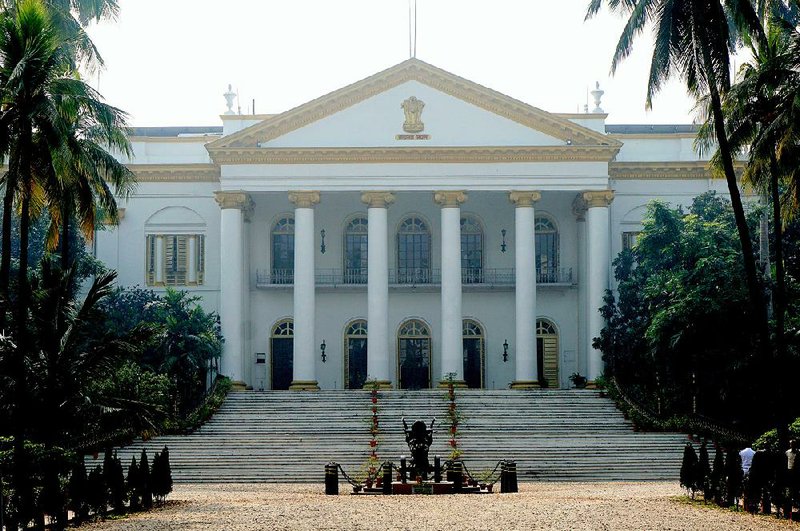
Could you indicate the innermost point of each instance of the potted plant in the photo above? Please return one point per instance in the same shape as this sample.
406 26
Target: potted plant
578 380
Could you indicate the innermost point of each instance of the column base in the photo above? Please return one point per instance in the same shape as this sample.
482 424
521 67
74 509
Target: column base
525 384
304 385
238 386
458 384
383 385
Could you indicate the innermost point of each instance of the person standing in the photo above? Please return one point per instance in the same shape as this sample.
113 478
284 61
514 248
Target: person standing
792 476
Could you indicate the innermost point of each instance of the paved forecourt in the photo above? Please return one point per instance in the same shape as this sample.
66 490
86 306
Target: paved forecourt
558 506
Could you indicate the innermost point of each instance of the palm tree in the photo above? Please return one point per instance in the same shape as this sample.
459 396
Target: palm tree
70 17
761 117
694 40
85 172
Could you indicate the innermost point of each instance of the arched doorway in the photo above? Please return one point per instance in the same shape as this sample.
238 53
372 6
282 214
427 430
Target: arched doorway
414 355
547 353
355 348
281 354
473 354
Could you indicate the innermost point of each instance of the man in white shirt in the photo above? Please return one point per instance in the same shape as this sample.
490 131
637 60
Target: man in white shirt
747 460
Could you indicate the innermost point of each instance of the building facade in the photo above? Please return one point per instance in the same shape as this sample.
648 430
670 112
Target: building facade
406 228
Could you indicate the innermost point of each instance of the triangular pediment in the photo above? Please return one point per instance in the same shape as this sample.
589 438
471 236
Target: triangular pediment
458 113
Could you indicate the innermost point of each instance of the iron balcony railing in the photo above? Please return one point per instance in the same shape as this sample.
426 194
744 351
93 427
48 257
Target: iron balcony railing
413 277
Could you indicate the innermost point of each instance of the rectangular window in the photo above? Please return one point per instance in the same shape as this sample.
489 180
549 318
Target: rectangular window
629 239
169 263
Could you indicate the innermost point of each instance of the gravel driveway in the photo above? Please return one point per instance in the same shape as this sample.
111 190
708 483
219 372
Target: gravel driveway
567 506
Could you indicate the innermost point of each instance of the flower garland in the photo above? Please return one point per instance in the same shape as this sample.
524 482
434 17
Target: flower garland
454 417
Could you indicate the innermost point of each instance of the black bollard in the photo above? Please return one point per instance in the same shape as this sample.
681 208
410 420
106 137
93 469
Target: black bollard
503 477
458 477
332 479
512 477
403 469
387 478
437 469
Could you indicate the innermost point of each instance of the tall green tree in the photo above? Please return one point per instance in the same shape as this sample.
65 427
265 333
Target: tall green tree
760 118
694 39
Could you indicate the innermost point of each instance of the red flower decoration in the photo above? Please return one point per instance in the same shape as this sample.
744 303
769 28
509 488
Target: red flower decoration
453 429
373 443
374 409
453 443
374 400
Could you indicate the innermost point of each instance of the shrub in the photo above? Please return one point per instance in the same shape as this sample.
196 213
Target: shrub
116 485
161 476
132 482
689 470
144 490
704 472
733 478
717 479
96 492
77 491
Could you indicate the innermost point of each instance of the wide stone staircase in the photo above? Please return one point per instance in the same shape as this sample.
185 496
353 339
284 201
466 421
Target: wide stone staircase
285 436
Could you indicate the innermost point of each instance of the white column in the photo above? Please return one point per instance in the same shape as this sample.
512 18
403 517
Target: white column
378 286
305 345
527 376
452 327
579 209
599 267
232 281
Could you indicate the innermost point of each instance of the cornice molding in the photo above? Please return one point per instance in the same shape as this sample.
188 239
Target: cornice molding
524 199
377 199
206 173
599 198
688 170
436 78
198 139
305 199
450 198
389 155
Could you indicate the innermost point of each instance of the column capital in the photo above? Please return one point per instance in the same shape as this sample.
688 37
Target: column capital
304 199
599 198
579 207
450 198
524 199
377 199
240 200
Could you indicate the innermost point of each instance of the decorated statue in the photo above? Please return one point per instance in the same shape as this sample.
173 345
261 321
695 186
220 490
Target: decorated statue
419 440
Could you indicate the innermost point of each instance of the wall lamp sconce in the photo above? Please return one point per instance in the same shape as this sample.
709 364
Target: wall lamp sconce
322 245
505 351
503 245
322 347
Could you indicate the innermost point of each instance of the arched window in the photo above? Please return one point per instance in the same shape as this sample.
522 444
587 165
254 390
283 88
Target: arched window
355 347
282 354
546 251
547 353
283 251
473 353
414 355
471 251
413 252
355 251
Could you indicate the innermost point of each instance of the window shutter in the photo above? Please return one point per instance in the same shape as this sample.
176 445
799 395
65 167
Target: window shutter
201 257
151 260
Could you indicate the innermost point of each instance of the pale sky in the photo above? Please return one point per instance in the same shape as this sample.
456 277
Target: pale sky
168 62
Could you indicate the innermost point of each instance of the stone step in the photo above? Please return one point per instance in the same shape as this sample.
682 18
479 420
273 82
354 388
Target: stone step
284 436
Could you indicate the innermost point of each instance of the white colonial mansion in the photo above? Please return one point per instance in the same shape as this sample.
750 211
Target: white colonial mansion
404 228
